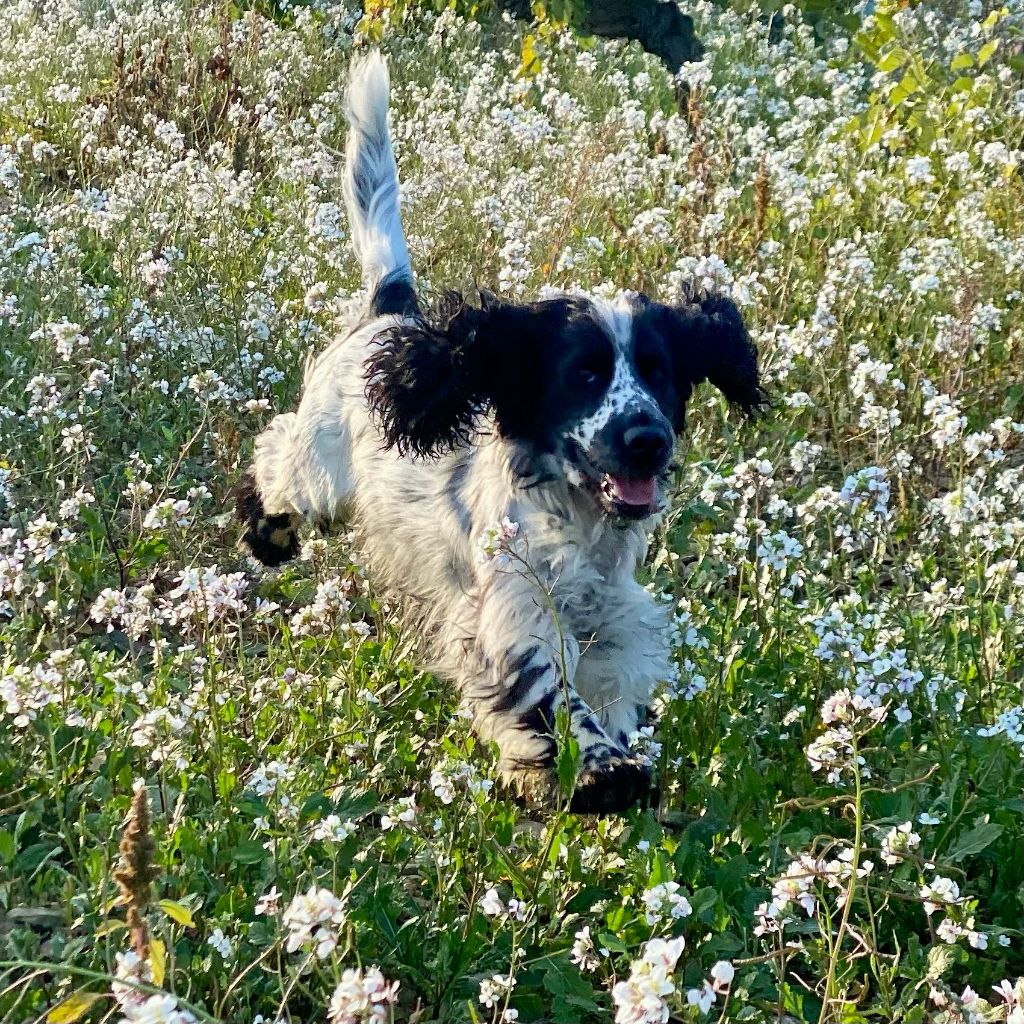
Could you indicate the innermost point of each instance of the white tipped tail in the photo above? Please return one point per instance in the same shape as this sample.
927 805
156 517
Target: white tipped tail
371 177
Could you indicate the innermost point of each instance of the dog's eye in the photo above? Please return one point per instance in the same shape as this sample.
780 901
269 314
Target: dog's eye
650 366
590 372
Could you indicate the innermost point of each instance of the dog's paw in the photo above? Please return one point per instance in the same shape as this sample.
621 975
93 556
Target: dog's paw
535 787
272 539
612 786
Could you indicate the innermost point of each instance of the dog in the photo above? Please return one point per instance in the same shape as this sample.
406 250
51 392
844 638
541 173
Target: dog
424 429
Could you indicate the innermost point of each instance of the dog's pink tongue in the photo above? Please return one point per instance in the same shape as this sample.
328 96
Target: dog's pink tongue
633 492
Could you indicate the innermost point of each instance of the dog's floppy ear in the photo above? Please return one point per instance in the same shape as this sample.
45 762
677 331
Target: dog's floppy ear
709 342
422 383
429 379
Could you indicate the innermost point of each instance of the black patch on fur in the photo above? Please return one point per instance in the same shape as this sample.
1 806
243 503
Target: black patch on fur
612 787
516 692
272 539
395 295
540 719
708 341
428 382
420 384
520 661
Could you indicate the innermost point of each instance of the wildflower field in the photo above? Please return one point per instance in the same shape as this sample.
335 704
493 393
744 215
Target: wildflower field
228 794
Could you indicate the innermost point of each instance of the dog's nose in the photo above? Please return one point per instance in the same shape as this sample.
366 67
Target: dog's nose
646 443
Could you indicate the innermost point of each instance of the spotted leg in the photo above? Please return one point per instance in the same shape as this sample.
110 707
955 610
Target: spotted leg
525 674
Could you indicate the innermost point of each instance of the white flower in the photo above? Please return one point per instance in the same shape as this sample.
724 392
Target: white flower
518 909
496 542
583 954
404 813
129 969
490 903
899 841
703 998
220 942
640 999
940 892
663 901
268 902
495 989
333 830
722 974
159 1009
362 997
313 919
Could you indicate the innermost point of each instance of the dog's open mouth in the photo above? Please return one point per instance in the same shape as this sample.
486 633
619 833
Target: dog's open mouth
631 497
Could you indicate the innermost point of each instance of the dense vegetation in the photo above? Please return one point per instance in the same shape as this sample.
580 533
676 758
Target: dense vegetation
839 837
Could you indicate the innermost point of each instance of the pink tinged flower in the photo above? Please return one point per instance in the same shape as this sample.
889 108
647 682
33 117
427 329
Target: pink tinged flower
313 919
363 997
268 902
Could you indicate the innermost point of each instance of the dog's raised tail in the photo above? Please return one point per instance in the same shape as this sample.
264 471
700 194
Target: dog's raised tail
371 191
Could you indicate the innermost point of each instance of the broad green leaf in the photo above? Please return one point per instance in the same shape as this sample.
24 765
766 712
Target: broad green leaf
885 27
904 90
974 841
74 1007
985 53
961 61
894 59
177 912
249 852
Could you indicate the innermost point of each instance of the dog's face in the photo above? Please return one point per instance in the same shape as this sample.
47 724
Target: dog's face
598 388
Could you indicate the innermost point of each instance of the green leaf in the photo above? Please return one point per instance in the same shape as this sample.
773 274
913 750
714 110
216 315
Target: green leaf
177 912
885 27
985 53
108 927
74 1007
974 841
609 941
961 61
248 853
894 59
904 90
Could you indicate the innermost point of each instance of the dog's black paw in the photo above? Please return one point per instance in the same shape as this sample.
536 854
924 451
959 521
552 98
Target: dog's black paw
612 786
272 539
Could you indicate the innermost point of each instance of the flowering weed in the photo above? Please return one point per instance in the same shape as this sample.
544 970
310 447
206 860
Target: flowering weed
227 794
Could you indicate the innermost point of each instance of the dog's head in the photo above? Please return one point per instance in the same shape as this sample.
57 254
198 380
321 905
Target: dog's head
602 387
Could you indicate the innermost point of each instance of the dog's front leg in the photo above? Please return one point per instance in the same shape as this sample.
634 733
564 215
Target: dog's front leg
525 673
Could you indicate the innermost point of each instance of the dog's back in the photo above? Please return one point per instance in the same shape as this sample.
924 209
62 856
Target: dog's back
302 465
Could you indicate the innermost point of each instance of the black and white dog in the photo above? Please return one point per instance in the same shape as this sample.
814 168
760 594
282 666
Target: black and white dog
426 429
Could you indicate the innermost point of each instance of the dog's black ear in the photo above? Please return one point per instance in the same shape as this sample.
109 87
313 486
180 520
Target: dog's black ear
710 342
422 384
430 379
